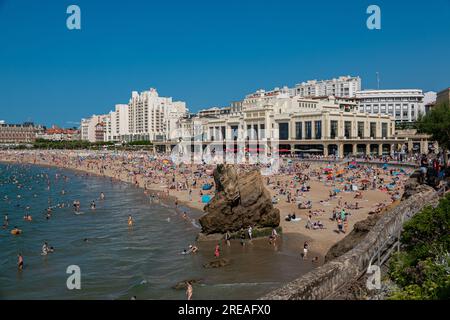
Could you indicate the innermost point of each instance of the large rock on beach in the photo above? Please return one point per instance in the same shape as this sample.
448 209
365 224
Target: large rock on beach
241 200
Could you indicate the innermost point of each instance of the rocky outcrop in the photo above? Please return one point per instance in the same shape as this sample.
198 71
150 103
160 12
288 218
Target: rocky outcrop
414 185
240 201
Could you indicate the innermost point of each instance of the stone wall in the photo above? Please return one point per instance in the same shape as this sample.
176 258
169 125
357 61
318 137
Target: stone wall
325 280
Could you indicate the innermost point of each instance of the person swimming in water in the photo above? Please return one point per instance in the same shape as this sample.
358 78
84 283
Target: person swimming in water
93 205
16 231
5 221
20 262
130 221
45 249
102 196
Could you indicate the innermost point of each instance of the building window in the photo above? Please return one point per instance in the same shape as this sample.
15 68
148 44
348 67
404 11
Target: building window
262 134
347 129
373 129
308 131
255 131
384 129
222 129
318 129
361 129
298 130
333 129
283 131
234 132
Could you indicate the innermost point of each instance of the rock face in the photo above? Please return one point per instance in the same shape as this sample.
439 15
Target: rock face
413 185
240 201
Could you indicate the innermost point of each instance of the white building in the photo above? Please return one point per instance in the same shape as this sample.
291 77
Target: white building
429 97
147 116
117 124
275 120
89 128
344 86
152 117
403 104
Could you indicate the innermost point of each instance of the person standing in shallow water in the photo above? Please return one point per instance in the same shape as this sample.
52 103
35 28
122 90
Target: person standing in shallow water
227 238
189 290
242 237
305 249
130 221
217 251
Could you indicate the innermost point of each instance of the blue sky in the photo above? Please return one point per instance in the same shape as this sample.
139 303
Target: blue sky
207 53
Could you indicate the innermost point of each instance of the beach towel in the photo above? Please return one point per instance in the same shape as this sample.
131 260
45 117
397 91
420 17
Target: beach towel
207 186
206 198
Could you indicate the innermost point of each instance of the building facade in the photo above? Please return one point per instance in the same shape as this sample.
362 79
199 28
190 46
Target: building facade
89 129
344 86
443 97
58 134
271 123
403 104
19 133
152 117
117 124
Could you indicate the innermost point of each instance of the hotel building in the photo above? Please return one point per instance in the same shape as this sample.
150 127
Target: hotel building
19 133
403 104
151 117
147 116
344 86
93 128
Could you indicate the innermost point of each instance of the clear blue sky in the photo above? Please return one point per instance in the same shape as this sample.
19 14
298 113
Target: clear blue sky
207 53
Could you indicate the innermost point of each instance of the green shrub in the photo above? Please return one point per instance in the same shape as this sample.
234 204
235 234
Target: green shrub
422 269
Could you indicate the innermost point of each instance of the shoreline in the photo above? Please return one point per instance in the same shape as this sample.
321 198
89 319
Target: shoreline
321 240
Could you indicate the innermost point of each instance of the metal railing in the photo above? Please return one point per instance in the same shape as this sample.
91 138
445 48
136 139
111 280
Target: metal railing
386 248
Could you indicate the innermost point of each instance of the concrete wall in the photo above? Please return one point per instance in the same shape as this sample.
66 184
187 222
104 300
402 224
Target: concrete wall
323 281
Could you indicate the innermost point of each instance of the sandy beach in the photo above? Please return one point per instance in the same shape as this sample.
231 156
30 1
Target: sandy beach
323 190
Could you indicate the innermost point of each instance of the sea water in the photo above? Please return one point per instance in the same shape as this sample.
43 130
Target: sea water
117 261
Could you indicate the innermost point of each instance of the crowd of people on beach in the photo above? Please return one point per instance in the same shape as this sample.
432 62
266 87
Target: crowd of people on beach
291 187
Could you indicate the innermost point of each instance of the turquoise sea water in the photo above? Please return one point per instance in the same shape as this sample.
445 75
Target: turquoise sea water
118 262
